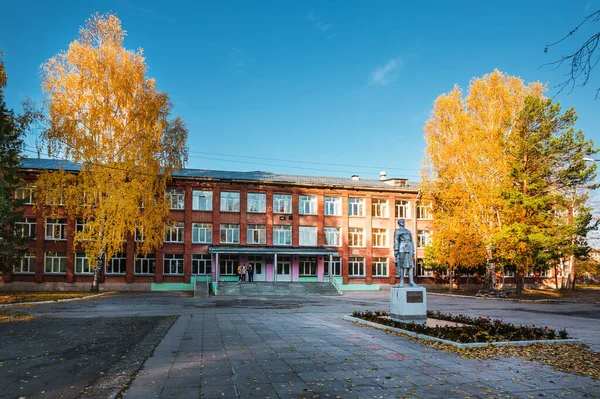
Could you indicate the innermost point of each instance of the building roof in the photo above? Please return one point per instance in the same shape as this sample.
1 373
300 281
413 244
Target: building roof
255 176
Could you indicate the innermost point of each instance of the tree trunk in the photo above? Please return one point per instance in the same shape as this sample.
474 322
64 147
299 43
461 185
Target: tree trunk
489 283
520 282
451 280
573 273
97 273
556 276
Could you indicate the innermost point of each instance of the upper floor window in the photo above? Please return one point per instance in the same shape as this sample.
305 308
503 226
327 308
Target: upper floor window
356 207
257 234
308 236
27 194
230 201
26 228
282 203
53 198
380 238
174 232
380 267
176 198
356 237
402 209
202 233
282 235
307 266
82 264
333 206
257 203
380 208
139 234
56 229
333 236
230 233
307 205
202 200
424 210
422 238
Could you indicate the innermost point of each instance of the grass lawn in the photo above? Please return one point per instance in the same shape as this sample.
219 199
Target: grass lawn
18 297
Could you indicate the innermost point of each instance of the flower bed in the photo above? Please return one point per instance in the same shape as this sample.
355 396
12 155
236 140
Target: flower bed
476 330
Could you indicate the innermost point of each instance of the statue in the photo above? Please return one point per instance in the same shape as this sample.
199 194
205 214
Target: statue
404 251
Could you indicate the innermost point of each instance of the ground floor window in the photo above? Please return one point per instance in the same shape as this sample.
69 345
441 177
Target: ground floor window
55 263
228 264
201 264
145 264
117 265
26 266
356 267
422 271
173 264
380 267
336 265
82 265
307 266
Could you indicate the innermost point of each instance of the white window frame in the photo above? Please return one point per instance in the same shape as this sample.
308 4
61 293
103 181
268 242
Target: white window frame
202 200
307 205
282 235
56 227
173 264
356 265
26 265
174 233
228 264
230 201
145 265
380 208
356 207
202 233
256 234
282 203
230 233
26 228
57 262
380 267
307 266
82 265
336 265
176 198
380 238
421 271
356 237
138 236
308 236
402 209
26 193
424 209
333 206
53 201
422 238
257 203
118 263
201 264
333 236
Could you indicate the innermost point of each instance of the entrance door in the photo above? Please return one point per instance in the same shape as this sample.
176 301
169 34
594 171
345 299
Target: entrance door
258 263
284 268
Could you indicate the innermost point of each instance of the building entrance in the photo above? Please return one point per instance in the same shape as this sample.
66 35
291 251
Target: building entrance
284 268
258 264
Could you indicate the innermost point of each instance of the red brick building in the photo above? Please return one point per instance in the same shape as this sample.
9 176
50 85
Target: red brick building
290 228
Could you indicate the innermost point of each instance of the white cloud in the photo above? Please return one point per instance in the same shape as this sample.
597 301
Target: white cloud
387 73
318 23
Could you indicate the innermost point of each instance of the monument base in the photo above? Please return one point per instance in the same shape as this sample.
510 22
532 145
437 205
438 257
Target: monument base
408 304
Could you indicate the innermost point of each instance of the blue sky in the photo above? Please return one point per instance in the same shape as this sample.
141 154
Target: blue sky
311 87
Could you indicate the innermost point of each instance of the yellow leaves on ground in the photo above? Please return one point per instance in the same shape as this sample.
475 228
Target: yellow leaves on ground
20 297
8 316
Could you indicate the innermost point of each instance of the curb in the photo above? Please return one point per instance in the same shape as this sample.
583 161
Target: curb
502 299
53 301
461 345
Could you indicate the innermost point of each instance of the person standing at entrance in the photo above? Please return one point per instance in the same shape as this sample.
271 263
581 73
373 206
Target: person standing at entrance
244 271
240 272
250 273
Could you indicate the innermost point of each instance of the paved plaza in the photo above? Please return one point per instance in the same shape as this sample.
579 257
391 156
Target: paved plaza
302 348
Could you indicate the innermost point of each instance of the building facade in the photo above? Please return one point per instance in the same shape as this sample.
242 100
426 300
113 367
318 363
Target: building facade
290 228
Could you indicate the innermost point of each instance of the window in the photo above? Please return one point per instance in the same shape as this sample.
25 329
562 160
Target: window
380 267
26 228
380 238
117 265
333 206
282 235
202 233
228 264
356 267
422 270
27 194
422 238
56 229
176 197
230 202
282 203
173 264
379 208
356 207
308 236
202 200
355 237
145 264
257 234
174 232
139 234
307 205
424 210
230 233
82 264
307 266
336 265
201 264
53 198
26 266
81 226
55 263
402 210
257 203
333 236
508 272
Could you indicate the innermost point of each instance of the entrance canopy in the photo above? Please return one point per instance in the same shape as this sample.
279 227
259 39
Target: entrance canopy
248 250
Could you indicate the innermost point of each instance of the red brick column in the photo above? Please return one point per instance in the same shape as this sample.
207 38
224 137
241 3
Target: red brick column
70 277
320 219
295 221
130 255
345 229
158 277
40 236
243 216
187 235
269 210
368 240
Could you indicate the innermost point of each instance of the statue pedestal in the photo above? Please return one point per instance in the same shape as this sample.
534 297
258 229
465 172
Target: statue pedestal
408 304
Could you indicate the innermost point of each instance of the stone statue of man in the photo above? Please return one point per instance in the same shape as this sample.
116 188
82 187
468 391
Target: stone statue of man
404 251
